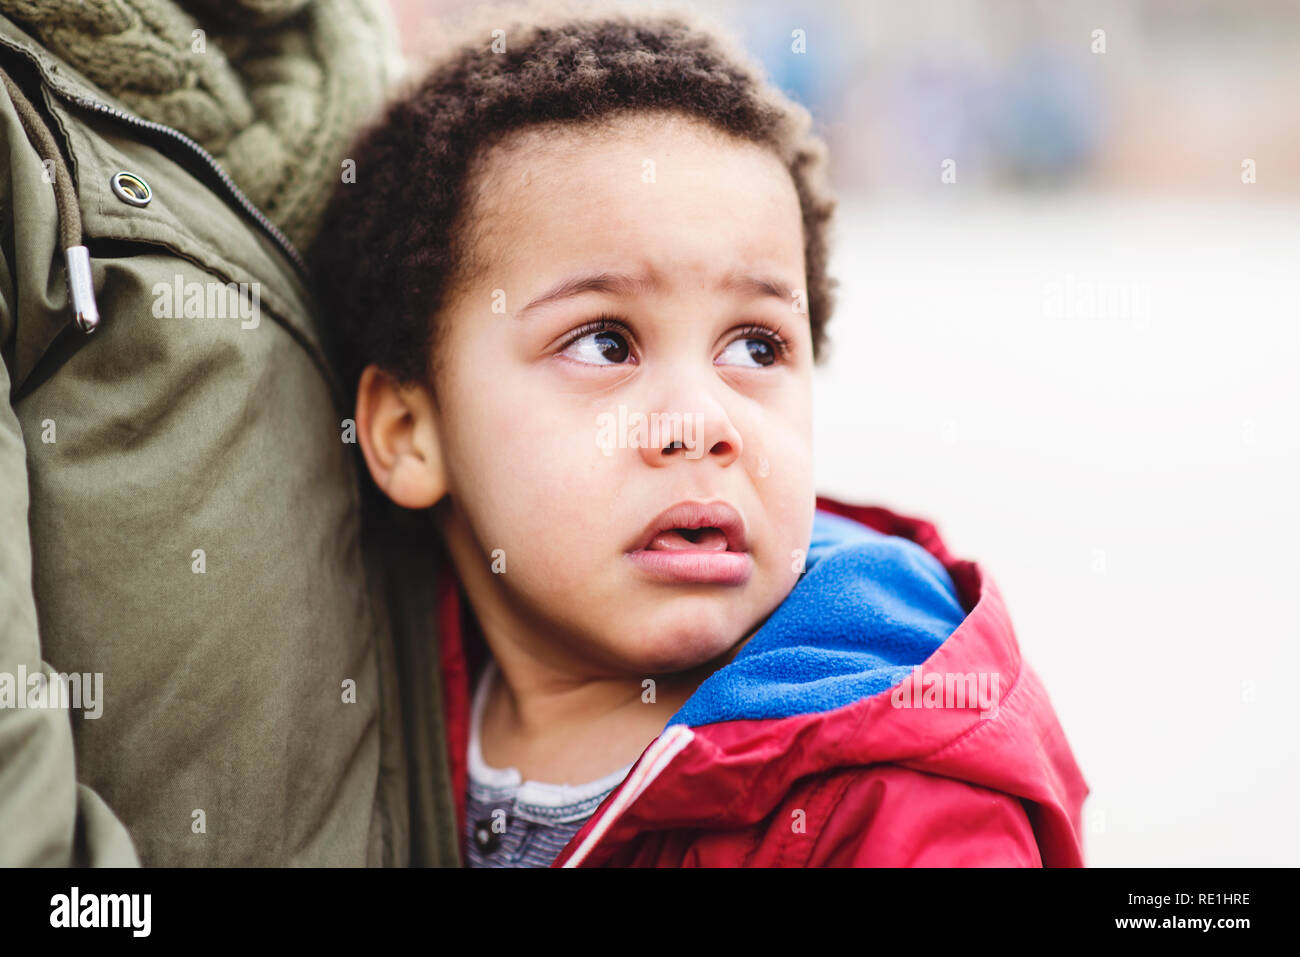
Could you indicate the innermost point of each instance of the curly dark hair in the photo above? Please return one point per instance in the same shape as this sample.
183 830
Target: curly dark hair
395 243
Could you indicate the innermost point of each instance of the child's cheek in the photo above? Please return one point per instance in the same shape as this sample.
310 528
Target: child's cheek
558 499
783 476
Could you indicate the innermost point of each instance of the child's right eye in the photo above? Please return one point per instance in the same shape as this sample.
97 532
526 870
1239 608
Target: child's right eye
598 343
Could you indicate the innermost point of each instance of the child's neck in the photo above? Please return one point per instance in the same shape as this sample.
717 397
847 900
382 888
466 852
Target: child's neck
559 729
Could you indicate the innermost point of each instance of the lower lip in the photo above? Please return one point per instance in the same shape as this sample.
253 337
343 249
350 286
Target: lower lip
694 566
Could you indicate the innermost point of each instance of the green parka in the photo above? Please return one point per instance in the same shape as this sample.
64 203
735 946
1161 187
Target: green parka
180 515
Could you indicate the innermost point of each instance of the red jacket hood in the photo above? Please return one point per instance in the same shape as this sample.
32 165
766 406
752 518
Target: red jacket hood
734 774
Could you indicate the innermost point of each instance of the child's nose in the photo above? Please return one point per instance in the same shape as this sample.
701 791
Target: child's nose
693 435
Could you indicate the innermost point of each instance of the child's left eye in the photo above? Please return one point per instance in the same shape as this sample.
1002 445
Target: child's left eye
748 352
756 349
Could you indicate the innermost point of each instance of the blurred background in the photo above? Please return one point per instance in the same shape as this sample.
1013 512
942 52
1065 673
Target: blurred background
1067 332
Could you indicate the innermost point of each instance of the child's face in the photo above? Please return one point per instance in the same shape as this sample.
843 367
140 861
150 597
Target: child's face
539 460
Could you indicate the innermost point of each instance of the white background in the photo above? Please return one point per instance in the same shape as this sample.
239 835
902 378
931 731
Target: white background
1128 479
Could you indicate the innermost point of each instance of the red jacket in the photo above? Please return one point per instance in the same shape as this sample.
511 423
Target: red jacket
881 781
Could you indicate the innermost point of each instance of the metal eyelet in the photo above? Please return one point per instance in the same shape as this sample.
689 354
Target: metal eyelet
130 188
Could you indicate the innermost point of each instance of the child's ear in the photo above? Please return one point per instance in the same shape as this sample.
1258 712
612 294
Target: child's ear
398 428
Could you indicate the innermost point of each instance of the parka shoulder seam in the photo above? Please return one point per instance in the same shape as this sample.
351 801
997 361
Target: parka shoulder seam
979 726
848 776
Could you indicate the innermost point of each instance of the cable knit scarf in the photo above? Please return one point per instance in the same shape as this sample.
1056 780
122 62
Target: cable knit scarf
274 89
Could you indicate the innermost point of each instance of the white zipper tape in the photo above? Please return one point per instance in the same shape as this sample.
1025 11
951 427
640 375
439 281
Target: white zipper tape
660 753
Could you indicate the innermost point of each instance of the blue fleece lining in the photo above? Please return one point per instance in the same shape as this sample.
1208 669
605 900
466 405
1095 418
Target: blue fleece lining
868 608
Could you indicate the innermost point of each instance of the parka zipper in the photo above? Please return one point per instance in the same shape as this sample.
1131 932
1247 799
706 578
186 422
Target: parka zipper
210 161
653 762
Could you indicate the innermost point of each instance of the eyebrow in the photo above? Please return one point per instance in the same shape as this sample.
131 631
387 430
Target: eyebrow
625 285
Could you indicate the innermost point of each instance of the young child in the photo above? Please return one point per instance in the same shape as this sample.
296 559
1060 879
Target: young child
579 284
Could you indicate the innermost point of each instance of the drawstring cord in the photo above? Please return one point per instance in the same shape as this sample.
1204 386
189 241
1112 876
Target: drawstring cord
81 289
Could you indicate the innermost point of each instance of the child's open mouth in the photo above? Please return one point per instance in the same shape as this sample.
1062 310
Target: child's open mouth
708 539
695 543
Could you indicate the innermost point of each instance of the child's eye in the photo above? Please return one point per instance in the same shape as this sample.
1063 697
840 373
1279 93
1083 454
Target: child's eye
606 342
756 347
598 343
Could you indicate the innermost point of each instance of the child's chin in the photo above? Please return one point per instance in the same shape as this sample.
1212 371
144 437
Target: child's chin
668 647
